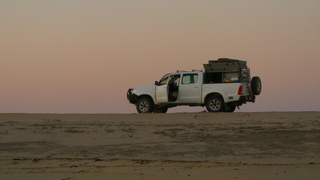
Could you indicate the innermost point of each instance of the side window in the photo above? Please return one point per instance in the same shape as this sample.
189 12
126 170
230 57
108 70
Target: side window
174 79
189 78
164 80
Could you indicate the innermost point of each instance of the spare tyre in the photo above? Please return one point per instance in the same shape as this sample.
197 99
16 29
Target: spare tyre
256 85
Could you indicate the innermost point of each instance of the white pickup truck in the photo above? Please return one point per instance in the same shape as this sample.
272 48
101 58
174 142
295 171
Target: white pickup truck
224 85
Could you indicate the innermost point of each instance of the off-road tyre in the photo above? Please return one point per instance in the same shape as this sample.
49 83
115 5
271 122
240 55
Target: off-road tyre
228 108
214 103
145 105
256 85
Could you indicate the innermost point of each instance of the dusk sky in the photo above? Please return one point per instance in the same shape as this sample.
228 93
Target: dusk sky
81 56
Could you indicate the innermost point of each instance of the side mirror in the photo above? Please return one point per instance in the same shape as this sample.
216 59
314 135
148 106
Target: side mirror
156 83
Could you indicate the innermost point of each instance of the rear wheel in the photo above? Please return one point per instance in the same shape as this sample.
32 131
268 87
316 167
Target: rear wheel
228 108
214 104
145 105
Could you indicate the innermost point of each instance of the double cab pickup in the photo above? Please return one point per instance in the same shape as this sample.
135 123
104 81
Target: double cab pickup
223 85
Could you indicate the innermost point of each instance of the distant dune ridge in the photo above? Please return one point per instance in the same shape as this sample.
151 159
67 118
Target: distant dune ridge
262 145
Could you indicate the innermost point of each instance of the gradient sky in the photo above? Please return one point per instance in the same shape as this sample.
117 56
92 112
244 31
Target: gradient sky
81 56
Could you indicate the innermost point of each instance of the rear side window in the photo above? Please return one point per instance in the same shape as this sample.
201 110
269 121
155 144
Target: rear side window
189 78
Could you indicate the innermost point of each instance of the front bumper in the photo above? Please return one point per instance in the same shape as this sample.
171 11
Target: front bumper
133 98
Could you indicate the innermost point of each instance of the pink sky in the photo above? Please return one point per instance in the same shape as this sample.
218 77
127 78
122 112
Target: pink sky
81 56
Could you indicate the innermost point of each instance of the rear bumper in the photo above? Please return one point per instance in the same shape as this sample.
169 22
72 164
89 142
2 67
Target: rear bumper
133 98
245 99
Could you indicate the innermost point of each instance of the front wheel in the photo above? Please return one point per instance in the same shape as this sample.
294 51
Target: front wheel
145 105
214 104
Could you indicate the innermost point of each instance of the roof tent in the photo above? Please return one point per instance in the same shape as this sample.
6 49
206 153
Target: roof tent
225 65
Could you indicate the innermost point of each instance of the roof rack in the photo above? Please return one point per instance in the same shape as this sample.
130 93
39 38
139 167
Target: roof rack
193 70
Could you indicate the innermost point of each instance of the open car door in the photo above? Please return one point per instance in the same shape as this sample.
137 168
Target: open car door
162 90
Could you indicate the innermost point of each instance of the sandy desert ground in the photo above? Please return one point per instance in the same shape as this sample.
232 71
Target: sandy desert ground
264 145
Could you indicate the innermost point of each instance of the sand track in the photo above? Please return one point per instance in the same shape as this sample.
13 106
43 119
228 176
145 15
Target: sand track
154 146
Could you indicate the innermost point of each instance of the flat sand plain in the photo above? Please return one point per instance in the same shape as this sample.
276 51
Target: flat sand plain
262 145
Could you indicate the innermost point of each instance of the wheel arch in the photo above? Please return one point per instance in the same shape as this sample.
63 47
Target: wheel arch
213 94
147 96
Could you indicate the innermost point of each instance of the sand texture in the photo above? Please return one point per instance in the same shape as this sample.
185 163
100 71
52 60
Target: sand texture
266 145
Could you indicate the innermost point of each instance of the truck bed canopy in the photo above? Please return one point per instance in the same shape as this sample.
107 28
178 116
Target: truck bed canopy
225 65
